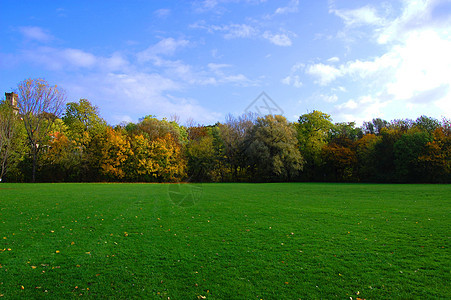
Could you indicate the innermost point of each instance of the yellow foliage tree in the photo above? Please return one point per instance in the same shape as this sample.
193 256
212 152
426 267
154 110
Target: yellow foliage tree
115 152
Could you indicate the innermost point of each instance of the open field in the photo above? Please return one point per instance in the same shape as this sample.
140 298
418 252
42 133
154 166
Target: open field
238 241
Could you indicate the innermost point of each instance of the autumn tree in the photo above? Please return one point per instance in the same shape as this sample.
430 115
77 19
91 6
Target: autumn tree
201 154
435 161
115 150
157 160
158 150
39 106
154 128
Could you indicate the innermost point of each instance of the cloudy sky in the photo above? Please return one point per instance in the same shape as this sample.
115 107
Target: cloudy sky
201 60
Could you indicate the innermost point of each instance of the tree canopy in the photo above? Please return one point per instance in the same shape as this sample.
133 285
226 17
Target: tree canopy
44 143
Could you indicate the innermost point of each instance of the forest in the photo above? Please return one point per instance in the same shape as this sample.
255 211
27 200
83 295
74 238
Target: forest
45 138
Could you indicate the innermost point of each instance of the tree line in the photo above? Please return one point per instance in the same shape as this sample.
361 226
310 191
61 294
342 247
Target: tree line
42 139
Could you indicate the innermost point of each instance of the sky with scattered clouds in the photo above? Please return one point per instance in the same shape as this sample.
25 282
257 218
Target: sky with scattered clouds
201 60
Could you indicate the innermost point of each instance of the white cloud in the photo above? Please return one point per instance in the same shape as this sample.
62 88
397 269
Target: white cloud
412 73
325 74
221 77
166 47
292 7
278 39
69 58
35 33
329 98
293 80
78 57
418 15
231 31
425 64
146 94
216 67
235 31
57 59
162 13
333 59
366 15
363 109
238 31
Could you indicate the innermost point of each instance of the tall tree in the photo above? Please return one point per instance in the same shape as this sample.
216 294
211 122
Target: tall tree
406 150
427 124
375 126
272 150
313 133
86 130
233 134
340 160
9 137
39 105
436 157
200 154
366 153
82 116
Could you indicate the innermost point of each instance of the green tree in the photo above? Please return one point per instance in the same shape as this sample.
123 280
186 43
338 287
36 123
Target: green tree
406 150
201 155
11 139
83 117
384 155
375 126
427 124
233 134
366 157
86 131
272 150
313 133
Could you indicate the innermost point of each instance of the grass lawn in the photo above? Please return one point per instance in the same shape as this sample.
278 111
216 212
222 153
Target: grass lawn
238 241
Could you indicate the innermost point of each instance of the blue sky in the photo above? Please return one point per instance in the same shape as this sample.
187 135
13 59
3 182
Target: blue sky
201 60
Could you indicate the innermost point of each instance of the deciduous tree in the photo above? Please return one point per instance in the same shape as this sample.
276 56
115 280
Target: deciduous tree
272 150
10 141
39 105
313 133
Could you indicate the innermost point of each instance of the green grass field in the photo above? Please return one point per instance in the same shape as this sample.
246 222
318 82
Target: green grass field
238 241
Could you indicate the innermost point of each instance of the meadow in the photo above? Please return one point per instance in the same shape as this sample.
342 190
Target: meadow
228 241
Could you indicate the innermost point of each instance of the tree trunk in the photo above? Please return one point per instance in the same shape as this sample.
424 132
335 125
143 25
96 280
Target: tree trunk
34 165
